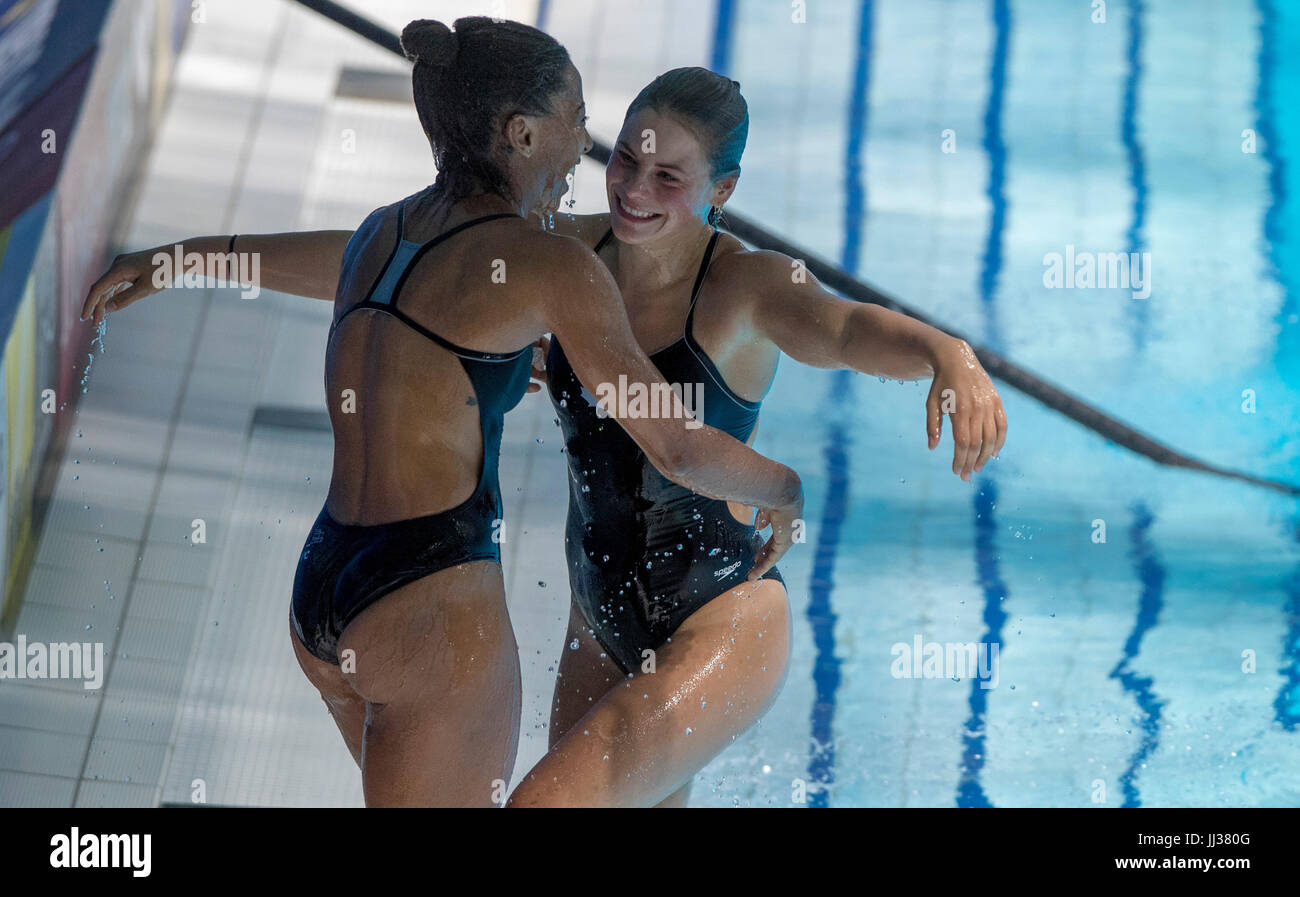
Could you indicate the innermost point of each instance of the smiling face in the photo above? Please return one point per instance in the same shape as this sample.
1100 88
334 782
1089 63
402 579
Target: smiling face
652 194
546 148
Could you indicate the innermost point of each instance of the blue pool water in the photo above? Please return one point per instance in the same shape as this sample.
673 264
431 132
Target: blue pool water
1161 666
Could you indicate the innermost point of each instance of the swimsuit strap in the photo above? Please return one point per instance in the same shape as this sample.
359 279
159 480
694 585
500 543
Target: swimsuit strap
390 307
425 247
705 263
699 277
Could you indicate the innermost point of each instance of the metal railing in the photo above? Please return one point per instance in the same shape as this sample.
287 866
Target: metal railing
845 283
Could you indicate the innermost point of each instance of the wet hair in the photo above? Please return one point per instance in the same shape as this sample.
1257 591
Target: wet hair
711 107
467 83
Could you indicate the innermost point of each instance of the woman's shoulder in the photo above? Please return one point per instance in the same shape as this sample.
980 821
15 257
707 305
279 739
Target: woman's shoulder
587 228
737 264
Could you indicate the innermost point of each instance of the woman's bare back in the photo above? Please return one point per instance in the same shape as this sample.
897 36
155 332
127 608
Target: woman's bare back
405 414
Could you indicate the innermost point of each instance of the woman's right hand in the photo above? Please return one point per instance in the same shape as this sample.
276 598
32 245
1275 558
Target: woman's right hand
783 521
127 280
541 348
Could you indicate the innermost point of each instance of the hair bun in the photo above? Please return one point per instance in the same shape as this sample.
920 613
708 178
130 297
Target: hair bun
430 42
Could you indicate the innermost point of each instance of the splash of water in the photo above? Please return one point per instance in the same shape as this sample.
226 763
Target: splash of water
90 358
571 199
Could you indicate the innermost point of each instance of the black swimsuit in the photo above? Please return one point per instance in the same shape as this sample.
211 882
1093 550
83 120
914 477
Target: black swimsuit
645 553
345 568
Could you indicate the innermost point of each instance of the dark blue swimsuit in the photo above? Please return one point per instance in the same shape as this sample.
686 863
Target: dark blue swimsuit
645 553
345 568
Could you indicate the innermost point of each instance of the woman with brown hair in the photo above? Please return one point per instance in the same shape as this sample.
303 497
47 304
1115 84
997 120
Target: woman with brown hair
672 651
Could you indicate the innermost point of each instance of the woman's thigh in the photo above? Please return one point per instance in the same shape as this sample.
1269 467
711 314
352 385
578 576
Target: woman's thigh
649 734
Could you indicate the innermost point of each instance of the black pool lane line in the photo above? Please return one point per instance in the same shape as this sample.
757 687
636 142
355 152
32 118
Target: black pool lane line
970 791
991 267
1137 174
826 666
821 616
724 25
1151 576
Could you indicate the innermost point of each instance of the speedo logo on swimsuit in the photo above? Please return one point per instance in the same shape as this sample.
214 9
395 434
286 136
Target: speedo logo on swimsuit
946 660
230 269
652 401
1098 270
55 660
78 851
726 571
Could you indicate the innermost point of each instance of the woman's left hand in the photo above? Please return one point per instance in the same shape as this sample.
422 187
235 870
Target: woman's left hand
963 390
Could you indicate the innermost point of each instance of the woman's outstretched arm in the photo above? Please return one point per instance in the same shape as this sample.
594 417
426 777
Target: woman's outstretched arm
816 327
305 263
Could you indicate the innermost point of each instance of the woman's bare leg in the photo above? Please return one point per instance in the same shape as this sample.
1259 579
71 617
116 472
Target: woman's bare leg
433 673
646 737
346 706
586 673
438 667
678 800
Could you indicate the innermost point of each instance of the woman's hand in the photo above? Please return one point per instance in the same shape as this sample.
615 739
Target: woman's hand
963 390
783 521
128 279
541 349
